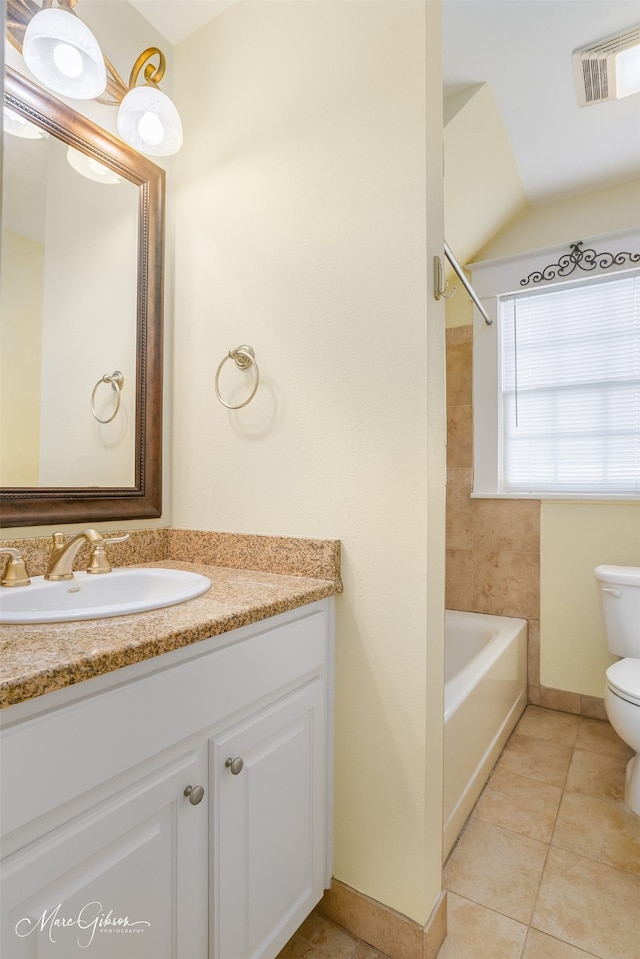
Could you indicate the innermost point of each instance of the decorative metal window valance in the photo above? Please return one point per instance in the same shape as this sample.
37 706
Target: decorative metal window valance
579 259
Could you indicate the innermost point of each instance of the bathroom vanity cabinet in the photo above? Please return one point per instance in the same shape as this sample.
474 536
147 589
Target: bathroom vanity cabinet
179 807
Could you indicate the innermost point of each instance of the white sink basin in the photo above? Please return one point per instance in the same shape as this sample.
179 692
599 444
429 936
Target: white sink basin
95 596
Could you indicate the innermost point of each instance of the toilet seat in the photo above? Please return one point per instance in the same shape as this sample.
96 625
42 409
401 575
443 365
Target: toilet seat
623 679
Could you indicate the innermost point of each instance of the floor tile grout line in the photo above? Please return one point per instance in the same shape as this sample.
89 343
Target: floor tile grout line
549 843
564 791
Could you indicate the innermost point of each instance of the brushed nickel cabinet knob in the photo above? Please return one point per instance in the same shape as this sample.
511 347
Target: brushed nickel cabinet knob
195 794
235 765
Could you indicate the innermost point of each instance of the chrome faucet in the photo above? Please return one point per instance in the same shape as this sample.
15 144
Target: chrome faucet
63 554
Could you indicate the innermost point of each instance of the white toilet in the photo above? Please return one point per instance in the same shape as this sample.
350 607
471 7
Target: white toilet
620 594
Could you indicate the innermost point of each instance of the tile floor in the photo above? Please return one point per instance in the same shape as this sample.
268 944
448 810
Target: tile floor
320 938
548 864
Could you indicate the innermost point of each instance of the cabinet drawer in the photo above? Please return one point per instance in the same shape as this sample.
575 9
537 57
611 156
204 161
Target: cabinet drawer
61 754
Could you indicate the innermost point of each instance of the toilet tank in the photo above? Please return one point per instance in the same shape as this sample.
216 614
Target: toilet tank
620 597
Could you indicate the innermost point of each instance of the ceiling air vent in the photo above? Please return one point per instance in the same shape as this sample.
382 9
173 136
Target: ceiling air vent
608 69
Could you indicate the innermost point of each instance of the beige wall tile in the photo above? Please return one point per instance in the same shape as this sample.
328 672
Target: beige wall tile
592 707
560 699
459 363
435 928
458 528
460 437
459 334
460 477
533 654
392 933
506 524
593 906
533 695
459 579
506 583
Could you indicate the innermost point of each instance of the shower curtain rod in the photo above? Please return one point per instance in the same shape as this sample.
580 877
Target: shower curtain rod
470 290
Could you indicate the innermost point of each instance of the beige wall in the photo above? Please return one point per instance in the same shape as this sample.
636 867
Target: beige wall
20 358
576 537
573 536
485 193
569 219
301 230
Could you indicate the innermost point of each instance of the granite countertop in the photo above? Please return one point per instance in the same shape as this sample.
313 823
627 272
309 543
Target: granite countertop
40 658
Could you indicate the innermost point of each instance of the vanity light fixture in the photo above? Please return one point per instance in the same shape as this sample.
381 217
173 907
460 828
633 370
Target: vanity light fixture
63 54
19 126
147 119
608 69
65 57
91 169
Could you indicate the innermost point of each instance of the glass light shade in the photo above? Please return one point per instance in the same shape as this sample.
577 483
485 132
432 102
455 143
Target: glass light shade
63 54
19 126
628 72
90 168
149 122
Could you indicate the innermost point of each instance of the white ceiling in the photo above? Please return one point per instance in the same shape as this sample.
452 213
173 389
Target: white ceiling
523 49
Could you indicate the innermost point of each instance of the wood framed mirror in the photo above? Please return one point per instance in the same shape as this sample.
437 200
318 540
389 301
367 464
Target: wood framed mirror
58 488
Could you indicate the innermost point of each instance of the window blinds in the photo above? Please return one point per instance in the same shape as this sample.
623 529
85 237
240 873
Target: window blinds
570 388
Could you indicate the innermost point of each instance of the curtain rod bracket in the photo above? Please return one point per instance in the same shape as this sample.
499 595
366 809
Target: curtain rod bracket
440 286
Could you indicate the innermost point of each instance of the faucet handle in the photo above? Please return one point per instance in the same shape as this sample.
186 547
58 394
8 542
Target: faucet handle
15 572
98 562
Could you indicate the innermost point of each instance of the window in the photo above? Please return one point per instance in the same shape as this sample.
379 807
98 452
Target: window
556 375
570 388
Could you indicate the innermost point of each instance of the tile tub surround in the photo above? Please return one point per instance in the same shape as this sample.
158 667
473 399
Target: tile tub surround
37 659
548 866
493 545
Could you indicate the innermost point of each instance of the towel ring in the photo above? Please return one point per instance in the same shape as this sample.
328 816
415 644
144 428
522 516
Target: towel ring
244 358
117 382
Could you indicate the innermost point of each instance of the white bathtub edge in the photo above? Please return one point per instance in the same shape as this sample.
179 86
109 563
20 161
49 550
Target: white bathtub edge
466 802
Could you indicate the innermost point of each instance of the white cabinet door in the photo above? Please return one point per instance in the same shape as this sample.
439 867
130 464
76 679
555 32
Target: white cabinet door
127 878
268 825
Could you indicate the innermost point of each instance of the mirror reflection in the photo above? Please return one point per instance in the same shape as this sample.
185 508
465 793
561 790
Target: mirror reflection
68 296
81 294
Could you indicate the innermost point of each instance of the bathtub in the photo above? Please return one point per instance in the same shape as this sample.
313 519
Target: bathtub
485 693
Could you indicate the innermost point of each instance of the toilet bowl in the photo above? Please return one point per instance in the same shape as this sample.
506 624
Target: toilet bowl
620 596
622 703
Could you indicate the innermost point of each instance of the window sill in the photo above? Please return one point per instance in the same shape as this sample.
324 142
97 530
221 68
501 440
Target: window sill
564 497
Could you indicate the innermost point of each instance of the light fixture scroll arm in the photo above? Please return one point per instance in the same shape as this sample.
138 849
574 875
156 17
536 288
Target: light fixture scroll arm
116 87
152 73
